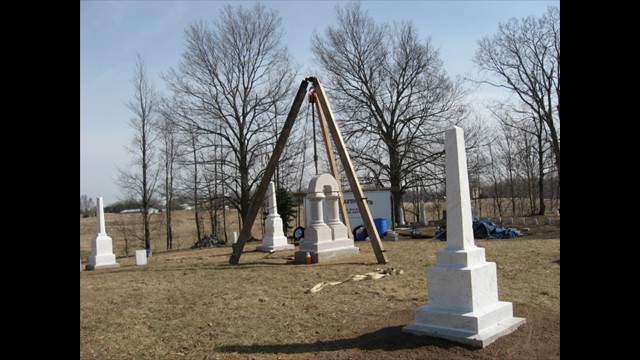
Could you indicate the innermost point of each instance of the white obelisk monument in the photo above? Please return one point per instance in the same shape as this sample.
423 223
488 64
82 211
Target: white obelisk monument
462 303
101 245
273 239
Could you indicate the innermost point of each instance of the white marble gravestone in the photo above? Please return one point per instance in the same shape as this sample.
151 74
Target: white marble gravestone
141 257
324 240
273 239
101 245
463 303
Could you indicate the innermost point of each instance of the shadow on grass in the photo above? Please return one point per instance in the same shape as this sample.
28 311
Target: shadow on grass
268 264
388 339
206 263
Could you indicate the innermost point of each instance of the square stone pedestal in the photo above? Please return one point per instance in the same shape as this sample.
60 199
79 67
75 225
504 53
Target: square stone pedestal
101 256
325 255
476 328
463 302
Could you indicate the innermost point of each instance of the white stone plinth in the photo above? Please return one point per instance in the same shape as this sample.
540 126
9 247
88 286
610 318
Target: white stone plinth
274 238
455 324
101 254
141 257
463 303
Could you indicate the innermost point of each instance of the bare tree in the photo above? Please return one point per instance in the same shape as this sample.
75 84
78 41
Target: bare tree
508 150
290 169
140 181
532 152
232 76
86 206
392 95
170 156
496 178
123 231
527 166
211 185
524 57
196 186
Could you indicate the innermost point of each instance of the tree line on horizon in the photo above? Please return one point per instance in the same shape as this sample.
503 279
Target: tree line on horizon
207 140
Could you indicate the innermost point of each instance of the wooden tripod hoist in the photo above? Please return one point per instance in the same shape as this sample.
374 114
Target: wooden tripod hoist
325 116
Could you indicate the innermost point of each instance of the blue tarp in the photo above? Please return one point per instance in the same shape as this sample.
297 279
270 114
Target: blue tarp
485 229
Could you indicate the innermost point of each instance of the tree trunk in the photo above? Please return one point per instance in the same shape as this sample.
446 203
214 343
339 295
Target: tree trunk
541 171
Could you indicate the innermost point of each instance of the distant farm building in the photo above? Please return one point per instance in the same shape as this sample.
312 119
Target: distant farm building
138 211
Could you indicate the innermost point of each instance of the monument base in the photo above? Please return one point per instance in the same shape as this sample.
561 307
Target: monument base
326 255
461 327
275 247
101 266
102 262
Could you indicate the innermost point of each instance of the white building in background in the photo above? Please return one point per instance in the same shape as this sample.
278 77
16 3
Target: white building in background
139 211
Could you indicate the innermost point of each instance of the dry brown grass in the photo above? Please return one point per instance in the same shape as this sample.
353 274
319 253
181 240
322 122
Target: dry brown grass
192 304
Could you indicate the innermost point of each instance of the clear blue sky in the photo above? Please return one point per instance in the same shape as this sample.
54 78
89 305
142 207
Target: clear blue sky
113 32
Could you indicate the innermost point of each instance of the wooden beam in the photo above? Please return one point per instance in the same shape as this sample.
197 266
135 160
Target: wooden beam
268 174
332 165
361 201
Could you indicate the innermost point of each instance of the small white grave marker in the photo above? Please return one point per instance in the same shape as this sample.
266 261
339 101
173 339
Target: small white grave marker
141 257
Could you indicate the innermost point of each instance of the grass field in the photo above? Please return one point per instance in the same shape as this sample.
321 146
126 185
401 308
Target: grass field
192 304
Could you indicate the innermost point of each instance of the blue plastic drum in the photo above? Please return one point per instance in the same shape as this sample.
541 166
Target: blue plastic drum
381 226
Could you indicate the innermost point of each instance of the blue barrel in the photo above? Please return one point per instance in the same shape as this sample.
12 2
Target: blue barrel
381 226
